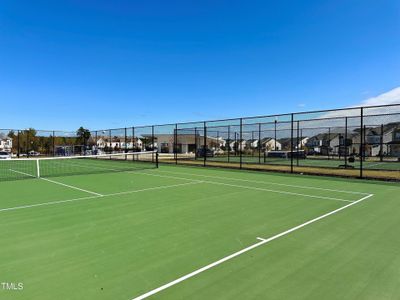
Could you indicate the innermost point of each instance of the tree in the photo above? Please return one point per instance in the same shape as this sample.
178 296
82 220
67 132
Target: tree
83 135
27 140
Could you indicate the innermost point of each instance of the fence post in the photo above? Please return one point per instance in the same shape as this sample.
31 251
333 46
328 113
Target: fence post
195 143
109 134
381 142
345 143
134 143
95 142
176 144
217 143
291 143
276 121
157 159
297 143
229 141
329 143
18 145
240 141
361 142
152 143
27 143
205 144
259 143
53 144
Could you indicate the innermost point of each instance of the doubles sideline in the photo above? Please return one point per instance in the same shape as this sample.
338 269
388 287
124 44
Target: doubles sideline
250 187
229 257
267 182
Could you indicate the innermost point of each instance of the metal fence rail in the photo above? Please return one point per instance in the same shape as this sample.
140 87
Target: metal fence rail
361 142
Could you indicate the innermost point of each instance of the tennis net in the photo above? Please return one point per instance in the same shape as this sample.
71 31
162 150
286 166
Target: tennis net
24 168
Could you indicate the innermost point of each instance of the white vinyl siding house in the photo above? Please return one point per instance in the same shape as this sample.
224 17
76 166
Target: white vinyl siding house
270 144
5 143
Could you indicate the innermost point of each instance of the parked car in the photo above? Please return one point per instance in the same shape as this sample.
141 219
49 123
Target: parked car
34 153
204 152
5 155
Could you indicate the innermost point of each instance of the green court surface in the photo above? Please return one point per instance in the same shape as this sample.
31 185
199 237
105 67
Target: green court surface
181 232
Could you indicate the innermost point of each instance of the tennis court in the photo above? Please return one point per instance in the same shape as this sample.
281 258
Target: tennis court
127 229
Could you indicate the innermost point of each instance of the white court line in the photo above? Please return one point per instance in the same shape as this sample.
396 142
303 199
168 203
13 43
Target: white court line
252 188
267 182
279 192
227 184
96 197
241 186
23 173
59 183
72 187
229 257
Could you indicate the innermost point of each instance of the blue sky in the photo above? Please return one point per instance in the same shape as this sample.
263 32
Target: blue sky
105 64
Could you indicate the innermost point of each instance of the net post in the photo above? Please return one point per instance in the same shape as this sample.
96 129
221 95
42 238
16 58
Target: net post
38 168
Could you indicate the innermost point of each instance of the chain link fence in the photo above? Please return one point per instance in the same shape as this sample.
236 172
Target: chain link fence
361 142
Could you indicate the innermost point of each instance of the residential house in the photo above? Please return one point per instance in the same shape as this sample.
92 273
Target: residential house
5 143
236 145
394 144
377 139
270 144
323 144
186 142
252 144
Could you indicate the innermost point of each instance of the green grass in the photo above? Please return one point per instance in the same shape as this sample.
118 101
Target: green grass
168 222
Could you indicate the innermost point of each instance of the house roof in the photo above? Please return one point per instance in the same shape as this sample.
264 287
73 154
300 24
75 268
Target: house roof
266 140
3 136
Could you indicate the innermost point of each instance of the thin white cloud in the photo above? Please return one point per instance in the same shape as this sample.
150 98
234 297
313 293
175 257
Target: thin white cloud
390 97
372 116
